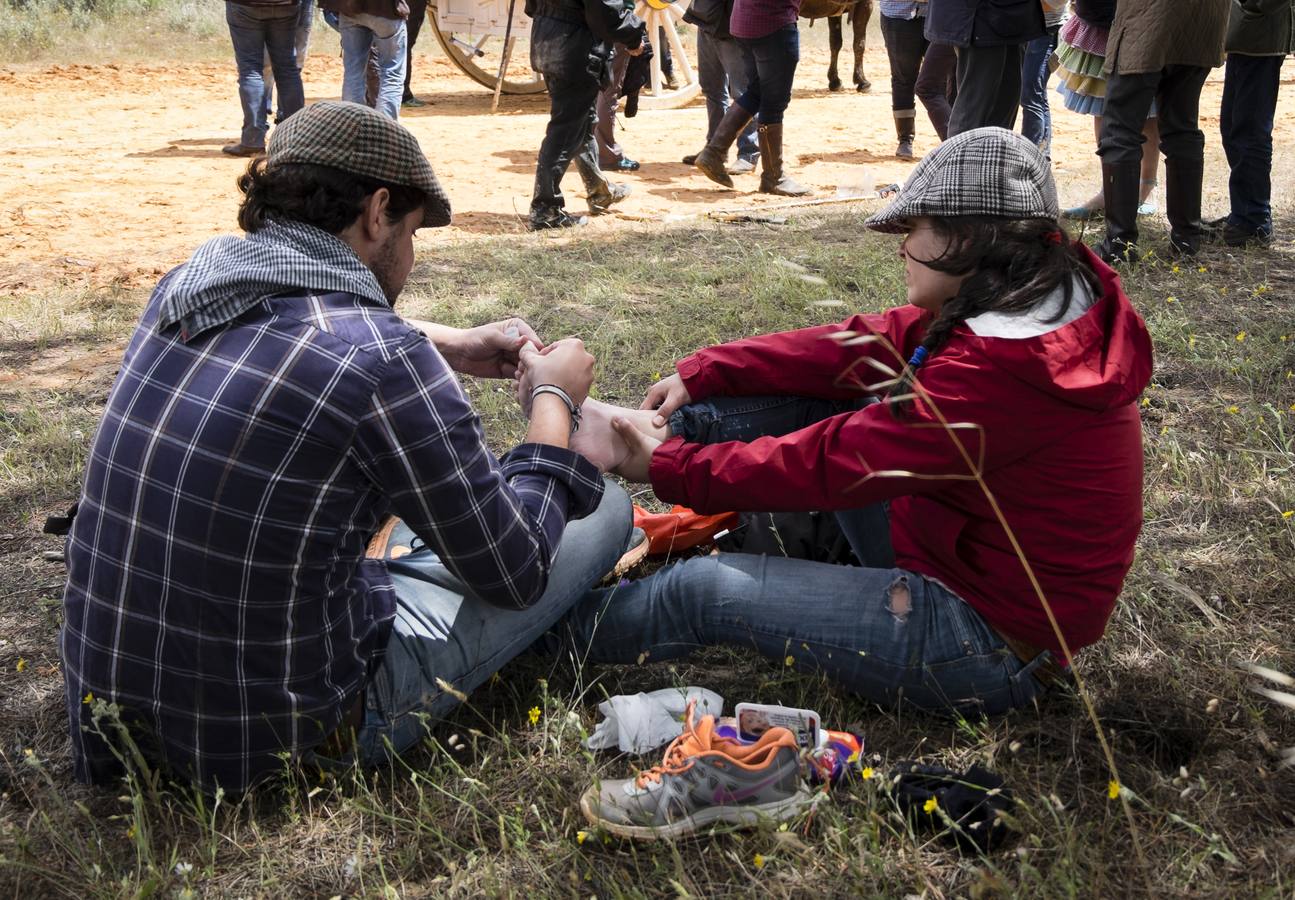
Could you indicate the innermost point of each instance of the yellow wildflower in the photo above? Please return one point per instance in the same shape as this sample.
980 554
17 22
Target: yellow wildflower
1146 401
22 664
930 806
1202 269
1175 269
582 836
867 773
790 660
1233 410
758 860
534 715
1113 789
88 698
1191 340
1241 336
1288 513
130 833
1171 299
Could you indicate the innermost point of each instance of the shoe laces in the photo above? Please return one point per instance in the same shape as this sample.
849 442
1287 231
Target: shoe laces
694 740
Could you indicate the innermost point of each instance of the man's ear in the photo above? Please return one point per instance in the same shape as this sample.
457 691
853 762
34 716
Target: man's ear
373 218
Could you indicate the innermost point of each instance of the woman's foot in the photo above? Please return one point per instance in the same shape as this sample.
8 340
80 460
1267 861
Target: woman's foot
1095 206
599 443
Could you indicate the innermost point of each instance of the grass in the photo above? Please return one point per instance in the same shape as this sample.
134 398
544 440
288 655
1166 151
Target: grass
487 806
75 30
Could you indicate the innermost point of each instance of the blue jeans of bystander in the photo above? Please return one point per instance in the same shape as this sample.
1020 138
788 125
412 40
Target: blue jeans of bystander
770 64
888 634
1036 116
388 36
721 72
256 31
305 19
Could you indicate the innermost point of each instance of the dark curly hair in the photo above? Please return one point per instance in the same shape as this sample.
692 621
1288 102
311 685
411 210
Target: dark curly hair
1014 264
322 196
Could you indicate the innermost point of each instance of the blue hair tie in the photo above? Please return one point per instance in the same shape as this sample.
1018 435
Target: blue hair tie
918 357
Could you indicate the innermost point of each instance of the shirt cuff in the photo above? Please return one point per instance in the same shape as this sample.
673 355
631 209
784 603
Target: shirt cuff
690 370
582 479
665 471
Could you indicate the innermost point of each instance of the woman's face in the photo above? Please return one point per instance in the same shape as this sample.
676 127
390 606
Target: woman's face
927 288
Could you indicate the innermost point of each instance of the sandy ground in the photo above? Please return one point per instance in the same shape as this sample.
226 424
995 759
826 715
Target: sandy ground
114 172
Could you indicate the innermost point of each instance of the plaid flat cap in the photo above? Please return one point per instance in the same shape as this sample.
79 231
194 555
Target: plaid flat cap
982 172
361 141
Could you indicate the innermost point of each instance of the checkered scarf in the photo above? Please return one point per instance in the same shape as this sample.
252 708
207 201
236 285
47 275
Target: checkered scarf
229 275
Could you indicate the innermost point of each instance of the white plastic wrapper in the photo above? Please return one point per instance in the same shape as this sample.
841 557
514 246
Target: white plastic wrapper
637 723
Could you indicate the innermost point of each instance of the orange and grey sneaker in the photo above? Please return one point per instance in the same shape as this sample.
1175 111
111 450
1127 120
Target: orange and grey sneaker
704 779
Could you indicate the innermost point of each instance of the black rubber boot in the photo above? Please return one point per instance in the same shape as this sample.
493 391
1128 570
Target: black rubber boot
711 160
906 131
1183 204
773 180
1121 185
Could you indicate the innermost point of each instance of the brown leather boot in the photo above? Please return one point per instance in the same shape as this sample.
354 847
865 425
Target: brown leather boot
772 178
711 160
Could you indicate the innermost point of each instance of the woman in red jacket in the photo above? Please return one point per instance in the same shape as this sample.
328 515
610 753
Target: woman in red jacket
1008 388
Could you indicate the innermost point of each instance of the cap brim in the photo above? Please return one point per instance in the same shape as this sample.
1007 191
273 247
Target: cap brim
436 213
893 218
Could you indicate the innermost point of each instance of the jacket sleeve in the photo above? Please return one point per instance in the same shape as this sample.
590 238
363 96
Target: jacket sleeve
612 23
809 362
857 458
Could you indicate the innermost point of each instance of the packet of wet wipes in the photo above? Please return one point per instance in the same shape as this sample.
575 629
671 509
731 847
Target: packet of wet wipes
754 719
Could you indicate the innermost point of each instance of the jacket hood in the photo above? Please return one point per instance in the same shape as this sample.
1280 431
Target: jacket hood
1099 361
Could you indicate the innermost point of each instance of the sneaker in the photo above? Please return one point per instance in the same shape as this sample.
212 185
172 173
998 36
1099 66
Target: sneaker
412 102
704 780
554 218
635 550
742 166
242 150
600 201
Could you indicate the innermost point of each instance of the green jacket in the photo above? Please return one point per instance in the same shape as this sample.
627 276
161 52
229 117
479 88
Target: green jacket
1261 27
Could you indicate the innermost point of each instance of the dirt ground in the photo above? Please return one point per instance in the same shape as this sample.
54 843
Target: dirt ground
114 172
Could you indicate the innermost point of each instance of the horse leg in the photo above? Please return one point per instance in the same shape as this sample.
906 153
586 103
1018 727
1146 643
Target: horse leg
834 42
862 13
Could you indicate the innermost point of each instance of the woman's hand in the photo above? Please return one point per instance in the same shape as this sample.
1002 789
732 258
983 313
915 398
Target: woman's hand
636 465
487 351
665 397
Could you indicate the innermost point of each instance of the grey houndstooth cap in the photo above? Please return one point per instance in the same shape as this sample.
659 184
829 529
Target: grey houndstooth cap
361 141
982 172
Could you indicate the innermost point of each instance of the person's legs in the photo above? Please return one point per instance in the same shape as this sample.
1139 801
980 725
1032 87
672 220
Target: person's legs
570 103
1178 98
905 46
390 40
932 87
885 634
776 58
714 156
247 32
1250 91
1128 101
357 40
600 191
281 44
730 55
713 80
442 635
989 88
610 154
1036 116
413 25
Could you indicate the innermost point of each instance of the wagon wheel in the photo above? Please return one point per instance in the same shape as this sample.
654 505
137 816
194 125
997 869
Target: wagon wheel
478 56
665 14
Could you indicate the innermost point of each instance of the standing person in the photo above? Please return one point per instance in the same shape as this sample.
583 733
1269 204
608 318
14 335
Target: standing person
766 31
903 24
990 37
1260 34
611 157
571 44
1081 56
1159 51
1036 117
376 26
721 72
272 410
258 28
414 25
937 85
301 46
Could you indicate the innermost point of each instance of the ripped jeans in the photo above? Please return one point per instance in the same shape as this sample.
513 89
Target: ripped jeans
887 634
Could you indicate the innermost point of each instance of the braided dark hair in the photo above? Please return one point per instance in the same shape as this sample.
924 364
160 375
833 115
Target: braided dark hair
1013 264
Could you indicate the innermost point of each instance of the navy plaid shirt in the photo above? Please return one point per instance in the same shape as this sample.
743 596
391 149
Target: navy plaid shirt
218 590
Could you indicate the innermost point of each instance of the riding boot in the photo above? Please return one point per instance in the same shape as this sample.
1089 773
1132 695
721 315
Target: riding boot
1121 184
906 131
772 179
711 160
1183 204
600 191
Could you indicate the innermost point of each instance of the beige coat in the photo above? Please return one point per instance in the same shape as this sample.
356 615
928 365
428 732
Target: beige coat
1148 35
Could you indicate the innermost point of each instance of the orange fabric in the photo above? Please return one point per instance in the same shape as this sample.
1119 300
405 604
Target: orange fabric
680 528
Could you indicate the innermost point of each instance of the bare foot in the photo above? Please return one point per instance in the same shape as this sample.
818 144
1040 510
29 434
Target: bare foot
599 443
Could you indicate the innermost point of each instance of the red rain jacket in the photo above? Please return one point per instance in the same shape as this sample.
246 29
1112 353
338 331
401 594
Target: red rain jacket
1059 442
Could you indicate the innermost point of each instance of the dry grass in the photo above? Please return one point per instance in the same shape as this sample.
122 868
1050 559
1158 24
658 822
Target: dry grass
1198 751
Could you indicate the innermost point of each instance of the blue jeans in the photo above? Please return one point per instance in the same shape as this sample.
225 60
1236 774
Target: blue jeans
301 46
256 31
442 632
1036 117
887 634
721 73
1250 85
770 64
388 37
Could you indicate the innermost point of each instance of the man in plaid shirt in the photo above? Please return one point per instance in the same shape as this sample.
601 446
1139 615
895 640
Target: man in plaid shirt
272 410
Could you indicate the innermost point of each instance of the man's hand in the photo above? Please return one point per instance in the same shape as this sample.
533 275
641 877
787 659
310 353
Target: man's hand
489 351
641 447
564 363
665 397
